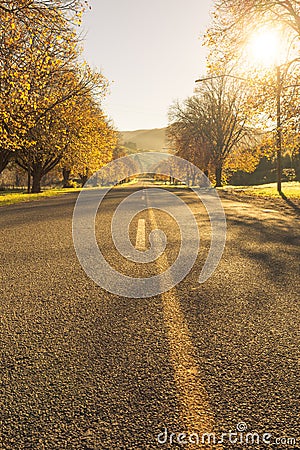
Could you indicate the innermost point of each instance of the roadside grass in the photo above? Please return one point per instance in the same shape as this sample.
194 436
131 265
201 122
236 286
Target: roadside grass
289 189
10 197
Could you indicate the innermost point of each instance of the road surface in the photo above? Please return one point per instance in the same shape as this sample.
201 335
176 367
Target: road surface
84 369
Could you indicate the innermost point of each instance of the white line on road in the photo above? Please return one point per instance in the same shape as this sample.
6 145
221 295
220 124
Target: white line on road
140 243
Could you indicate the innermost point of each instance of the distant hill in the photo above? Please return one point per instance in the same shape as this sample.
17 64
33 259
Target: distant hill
154 140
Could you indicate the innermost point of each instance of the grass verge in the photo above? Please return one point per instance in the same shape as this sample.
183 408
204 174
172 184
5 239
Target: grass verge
289 189
16 196
10 197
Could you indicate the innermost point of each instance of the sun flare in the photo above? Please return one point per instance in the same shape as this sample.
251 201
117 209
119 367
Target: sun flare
265 47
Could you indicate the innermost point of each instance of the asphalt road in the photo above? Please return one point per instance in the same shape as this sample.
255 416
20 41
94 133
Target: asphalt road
85 369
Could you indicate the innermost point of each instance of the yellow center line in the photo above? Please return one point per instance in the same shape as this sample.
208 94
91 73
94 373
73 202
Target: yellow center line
140 243
196 414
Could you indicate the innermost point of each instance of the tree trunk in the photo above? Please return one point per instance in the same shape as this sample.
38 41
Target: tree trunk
5 157
66 178
205 182
219 176
193 178
17 180
83 179
36 180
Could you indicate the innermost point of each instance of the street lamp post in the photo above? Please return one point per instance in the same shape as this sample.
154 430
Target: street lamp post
29 172
278 129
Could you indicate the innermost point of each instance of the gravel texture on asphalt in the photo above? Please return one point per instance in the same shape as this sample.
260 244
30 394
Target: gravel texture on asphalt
84 369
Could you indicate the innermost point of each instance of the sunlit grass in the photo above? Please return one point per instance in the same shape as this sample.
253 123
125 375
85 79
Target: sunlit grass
17 196
289 189
10 197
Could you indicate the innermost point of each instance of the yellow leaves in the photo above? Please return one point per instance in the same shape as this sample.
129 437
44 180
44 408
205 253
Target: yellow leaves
23 96
47 96
93 139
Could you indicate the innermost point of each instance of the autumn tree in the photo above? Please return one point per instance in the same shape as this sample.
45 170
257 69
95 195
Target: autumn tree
93 142
217 119
35 42
235 21
50 104
184 136
59 125
275 88
37 38
73 7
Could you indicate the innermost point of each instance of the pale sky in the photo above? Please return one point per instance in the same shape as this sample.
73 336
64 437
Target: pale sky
152 52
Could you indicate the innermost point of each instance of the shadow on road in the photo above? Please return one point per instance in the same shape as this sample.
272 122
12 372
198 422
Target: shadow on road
290 203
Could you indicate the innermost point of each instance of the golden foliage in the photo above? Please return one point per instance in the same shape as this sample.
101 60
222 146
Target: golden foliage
50 103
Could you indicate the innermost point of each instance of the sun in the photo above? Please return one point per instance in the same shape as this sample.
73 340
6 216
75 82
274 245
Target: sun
264 47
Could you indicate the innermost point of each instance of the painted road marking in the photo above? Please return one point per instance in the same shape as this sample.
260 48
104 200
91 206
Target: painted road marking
196 414
140 243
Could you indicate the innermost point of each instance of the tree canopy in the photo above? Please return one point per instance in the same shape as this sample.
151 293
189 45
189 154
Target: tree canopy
212 130
244 107
47 93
